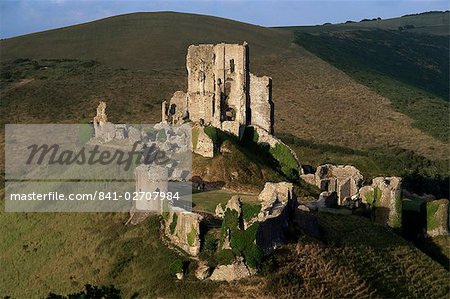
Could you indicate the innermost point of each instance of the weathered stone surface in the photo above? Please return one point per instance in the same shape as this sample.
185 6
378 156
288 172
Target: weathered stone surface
278 203
235 271
105 132
387 201
261 102
203 145
219 211
221 91
134 135
150 179
101 117
183 229
345 180
179 275
309 178
177 109
437 217
303 208
203 271
235 204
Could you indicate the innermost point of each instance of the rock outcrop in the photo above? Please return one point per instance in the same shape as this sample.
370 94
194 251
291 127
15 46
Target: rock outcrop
203 271
237 270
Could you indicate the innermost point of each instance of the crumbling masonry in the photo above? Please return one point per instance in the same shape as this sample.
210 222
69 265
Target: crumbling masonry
221 91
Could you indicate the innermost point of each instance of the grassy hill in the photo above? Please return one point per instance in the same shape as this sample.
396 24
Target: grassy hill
60 253
141 60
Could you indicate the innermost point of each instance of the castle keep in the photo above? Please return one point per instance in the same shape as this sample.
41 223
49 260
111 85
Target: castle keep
221 91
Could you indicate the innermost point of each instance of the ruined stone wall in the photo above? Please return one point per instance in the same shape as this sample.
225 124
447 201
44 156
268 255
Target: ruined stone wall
177 109
384 196
150 179
231 79
261 105
201 83
344 180
221 91
182 228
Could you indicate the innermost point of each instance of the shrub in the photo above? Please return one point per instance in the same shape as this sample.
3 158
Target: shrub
173 224
225 257
249 211
176 267
242 241
210 242
253 255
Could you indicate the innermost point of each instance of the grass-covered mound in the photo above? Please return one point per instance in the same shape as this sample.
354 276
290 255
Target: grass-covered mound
236 165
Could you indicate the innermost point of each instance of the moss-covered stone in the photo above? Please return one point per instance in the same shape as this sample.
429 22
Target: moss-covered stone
191 236
288 164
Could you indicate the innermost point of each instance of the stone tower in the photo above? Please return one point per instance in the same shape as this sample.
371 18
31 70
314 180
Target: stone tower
221 91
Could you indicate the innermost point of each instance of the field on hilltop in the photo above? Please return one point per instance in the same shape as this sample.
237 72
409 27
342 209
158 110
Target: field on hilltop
433 22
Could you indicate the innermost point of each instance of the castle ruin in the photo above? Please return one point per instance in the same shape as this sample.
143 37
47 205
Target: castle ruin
221 91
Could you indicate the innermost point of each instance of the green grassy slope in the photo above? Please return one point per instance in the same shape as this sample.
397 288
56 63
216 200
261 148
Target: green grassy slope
409 69
141 62
61 252
142 41
42 253
355 259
